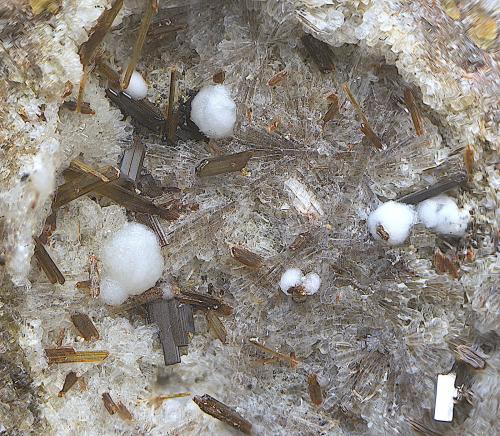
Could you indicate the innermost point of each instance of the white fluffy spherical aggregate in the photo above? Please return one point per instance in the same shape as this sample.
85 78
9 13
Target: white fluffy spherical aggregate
111 292
442 215
291 277
137 87
214 111
132 257
396 219
311 283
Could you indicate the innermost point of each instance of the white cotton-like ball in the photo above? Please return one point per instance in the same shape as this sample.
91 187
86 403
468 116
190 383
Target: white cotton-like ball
291 277
442 215
214 111
392 222
311 283
132 257
111 292
137 87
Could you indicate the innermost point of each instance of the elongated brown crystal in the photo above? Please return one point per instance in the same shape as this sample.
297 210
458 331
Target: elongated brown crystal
204 302
134 202
300 241
471 357
416 117
83 184
314 390
156 402
151 8
365 125
444 264
45 261
69 355
69 382
224 413
84 107
277 78
172 101
442 185
246 257
98 32
216 326
109 404
320 53
223 164
333 109
108 72
85 326
142 111
469 159
291 359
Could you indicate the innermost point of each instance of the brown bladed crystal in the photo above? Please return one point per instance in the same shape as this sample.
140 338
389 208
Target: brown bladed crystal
215 326
85 326
47 264
246 257
314 390
223 413
69 355
69 382
223 164
416 117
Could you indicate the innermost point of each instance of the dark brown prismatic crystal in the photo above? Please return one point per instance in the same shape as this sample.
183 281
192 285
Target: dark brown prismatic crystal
85 326
142 111
300 241
365 124
215 326
314 390
84 107
158 312
414 112
246 257
83 184
204 302
223 413
69 382
223 164
47 264
442 185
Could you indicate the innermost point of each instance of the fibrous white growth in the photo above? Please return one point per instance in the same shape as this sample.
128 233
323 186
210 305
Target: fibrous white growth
132 262
442 215
294 277
392 222
214 111
291 277
137 87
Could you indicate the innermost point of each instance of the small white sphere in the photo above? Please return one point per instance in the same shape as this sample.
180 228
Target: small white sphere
291 277
137 87
396 220
442 215
214 111
132 257
111 292
311 283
